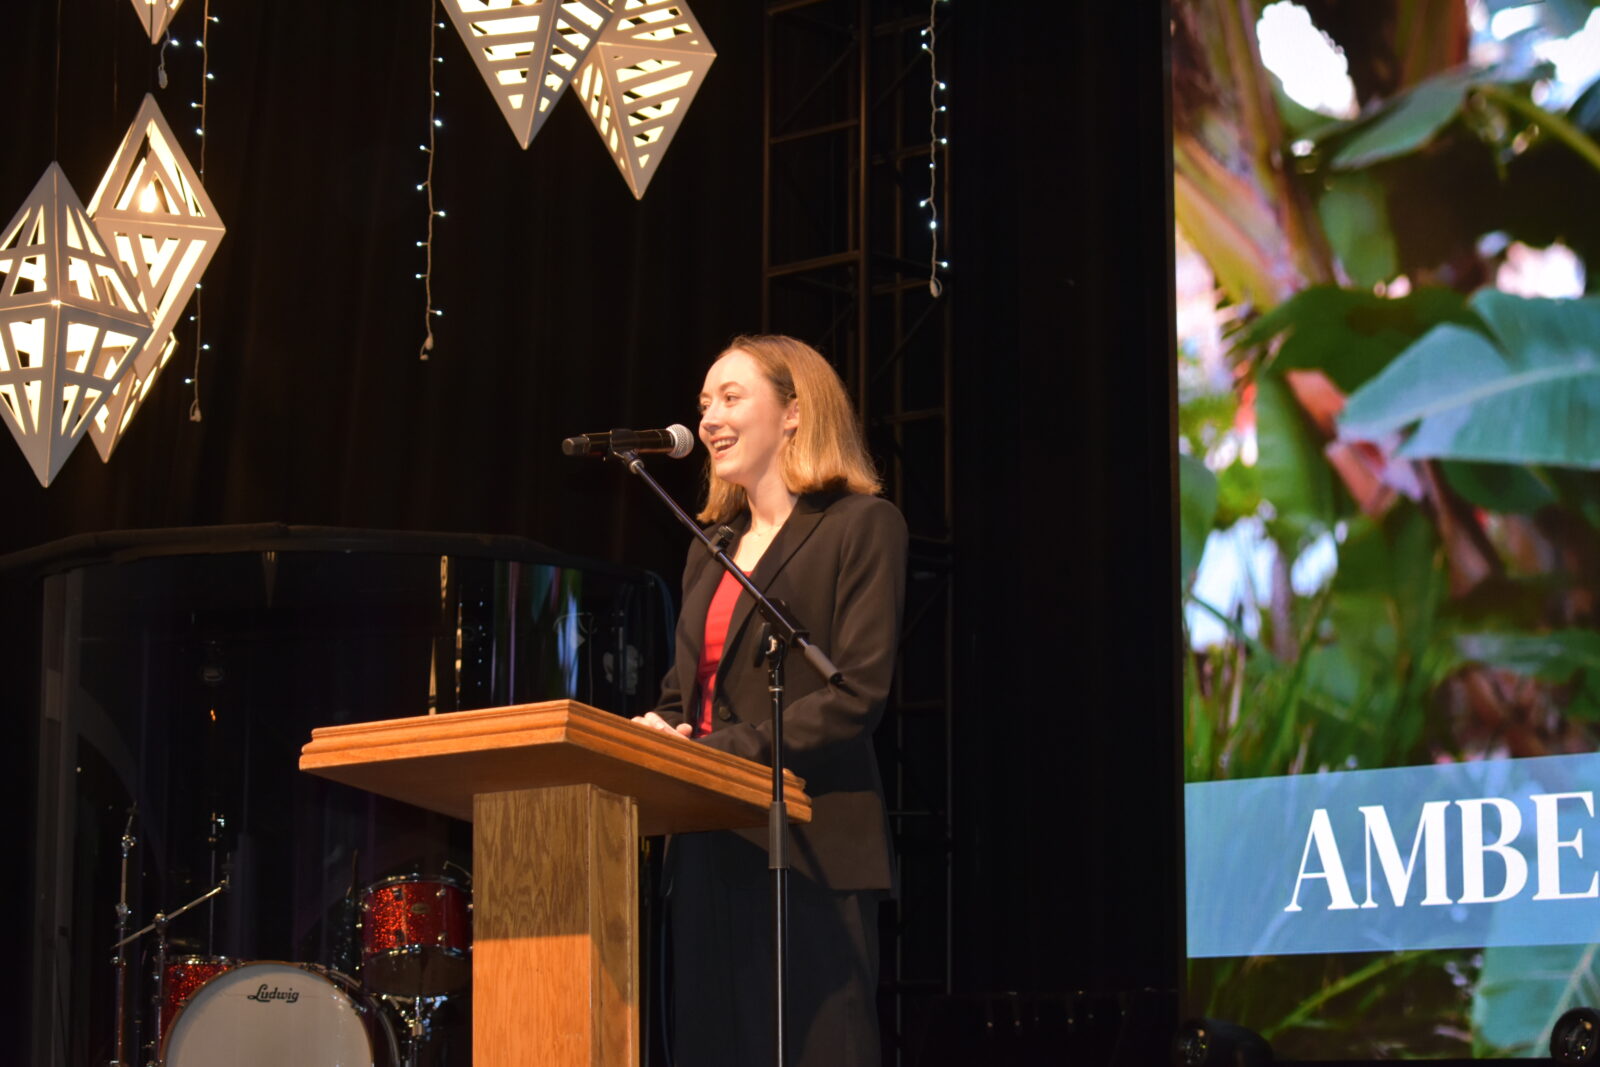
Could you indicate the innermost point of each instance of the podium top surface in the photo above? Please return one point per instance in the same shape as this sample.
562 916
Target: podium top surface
440 762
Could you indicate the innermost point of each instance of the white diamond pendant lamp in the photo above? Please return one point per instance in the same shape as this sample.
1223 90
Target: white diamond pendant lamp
156 16
111 421
155 215
69 324
528 51
639 80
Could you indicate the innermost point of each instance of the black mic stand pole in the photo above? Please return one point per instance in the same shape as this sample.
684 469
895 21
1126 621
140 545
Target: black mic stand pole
782 632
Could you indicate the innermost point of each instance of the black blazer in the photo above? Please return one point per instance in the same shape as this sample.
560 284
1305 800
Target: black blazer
839 563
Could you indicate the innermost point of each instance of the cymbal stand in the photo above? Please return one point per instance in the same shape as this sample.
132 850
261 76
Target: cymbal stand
213 839
120 962
159 924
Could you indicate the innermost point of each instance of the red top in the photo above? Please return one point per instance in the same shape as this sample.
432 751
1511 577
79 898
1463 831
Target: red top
718 615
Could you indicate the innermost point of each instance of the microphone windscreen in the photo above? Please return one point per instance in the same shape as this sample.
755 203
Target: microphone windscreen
682 440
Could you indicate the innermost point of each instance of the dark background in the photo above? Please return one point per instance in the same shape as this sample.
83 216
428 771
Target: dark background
568 306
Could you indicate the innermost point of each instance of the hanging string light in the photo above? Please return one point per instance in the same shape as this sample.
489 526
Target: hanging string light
936 142
200 345
429 312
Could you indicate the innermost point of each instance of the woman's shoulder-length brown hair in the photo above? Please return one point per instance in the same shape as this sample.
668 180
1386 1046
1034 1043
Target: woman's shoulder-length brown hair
827 452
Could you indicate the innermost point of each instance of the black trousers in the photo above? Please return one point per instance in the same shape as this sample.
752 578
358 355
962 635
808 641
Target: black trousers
719 914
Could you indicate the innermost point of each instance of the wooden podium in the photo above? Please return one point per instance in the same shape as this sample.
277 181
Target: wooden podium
558 794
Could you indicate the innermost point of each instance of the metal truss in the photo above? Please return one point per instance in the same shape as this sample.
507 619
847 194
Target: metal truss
847 258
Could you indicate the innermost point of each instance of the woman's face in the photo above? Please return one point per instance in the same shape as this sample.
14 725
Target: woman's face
742 421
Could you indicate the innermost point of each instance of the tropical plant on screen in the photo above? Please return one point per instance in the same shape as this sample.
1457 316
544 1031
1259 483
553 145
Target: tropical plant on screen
1431 439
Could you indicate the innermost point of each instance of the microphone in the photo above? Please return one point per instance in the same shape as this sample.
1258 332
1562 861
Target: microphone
676 441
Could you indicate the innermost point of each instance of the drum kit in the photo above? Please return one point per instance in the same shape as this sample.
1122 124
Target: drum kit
415 934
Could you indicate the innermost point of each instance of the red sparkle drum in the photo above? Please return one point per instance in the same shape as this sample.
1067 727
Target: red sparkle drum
269 1014
415 935
183 976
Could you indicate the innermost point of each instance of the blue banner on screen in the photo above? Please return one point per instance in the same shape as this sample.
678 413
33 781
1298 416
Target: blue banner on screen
1455 855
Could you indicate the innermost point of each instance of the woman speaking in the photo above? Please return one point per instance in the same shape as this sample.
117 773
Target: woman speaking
790 476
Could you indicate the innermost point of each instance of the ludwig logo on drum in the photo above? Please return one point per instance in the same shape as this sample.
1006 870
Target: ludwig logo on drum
288 996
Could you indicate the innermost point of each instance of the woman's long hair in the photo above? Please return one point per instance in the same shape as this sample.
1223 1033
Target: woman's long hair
826 453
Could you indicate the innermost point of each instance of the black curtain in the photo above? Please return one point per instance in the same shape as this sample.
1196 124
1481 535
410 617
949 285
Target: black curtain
568 306
1067 744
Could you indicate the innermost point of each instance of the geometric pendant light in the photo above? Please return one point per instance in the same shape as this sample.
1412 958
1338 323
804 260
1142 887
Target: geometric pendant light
110 423
638 65
70 323
155 14
528 51
639 80
154 214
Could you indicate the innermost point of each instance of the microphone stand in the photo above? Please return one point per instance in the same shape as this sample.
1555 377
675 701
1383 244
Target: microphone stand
781 632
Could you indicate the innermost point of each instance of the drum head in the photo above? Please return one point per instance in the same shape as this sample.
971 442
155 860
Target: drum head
407 877
269 1015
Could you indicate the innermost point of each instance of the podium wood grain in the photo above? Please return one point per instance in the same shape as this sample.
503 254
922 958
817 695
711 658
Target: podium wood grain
555 952
440 762
559 794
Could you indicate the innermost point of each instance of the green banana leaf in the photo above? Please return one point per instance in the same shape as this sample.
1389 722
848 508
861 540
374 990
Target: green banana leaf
1294 476
1528 393
1355 215
1407 123
1551 657
1351 335
1197 507
1411 120
1238 494
1523 990
1498 487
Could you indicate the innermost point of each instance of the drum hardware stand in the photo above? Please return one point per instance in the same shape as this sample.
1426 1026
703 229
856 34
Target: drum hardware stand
120 961
417 1013
781 633
213 839
159 925
346 955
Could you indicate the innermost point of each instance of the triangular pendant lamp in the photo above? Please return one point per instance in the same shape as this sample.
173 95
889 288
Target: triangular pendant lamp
639 81
638 64
528 51
154 213
156 15
69 324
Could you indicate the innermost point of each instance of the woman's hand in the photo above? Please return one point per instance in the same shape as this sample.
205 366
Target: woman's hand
656 722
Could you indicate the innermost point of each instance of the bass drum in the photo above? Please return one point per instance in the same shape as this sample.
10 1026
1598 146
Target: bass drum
268 1014
183 976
